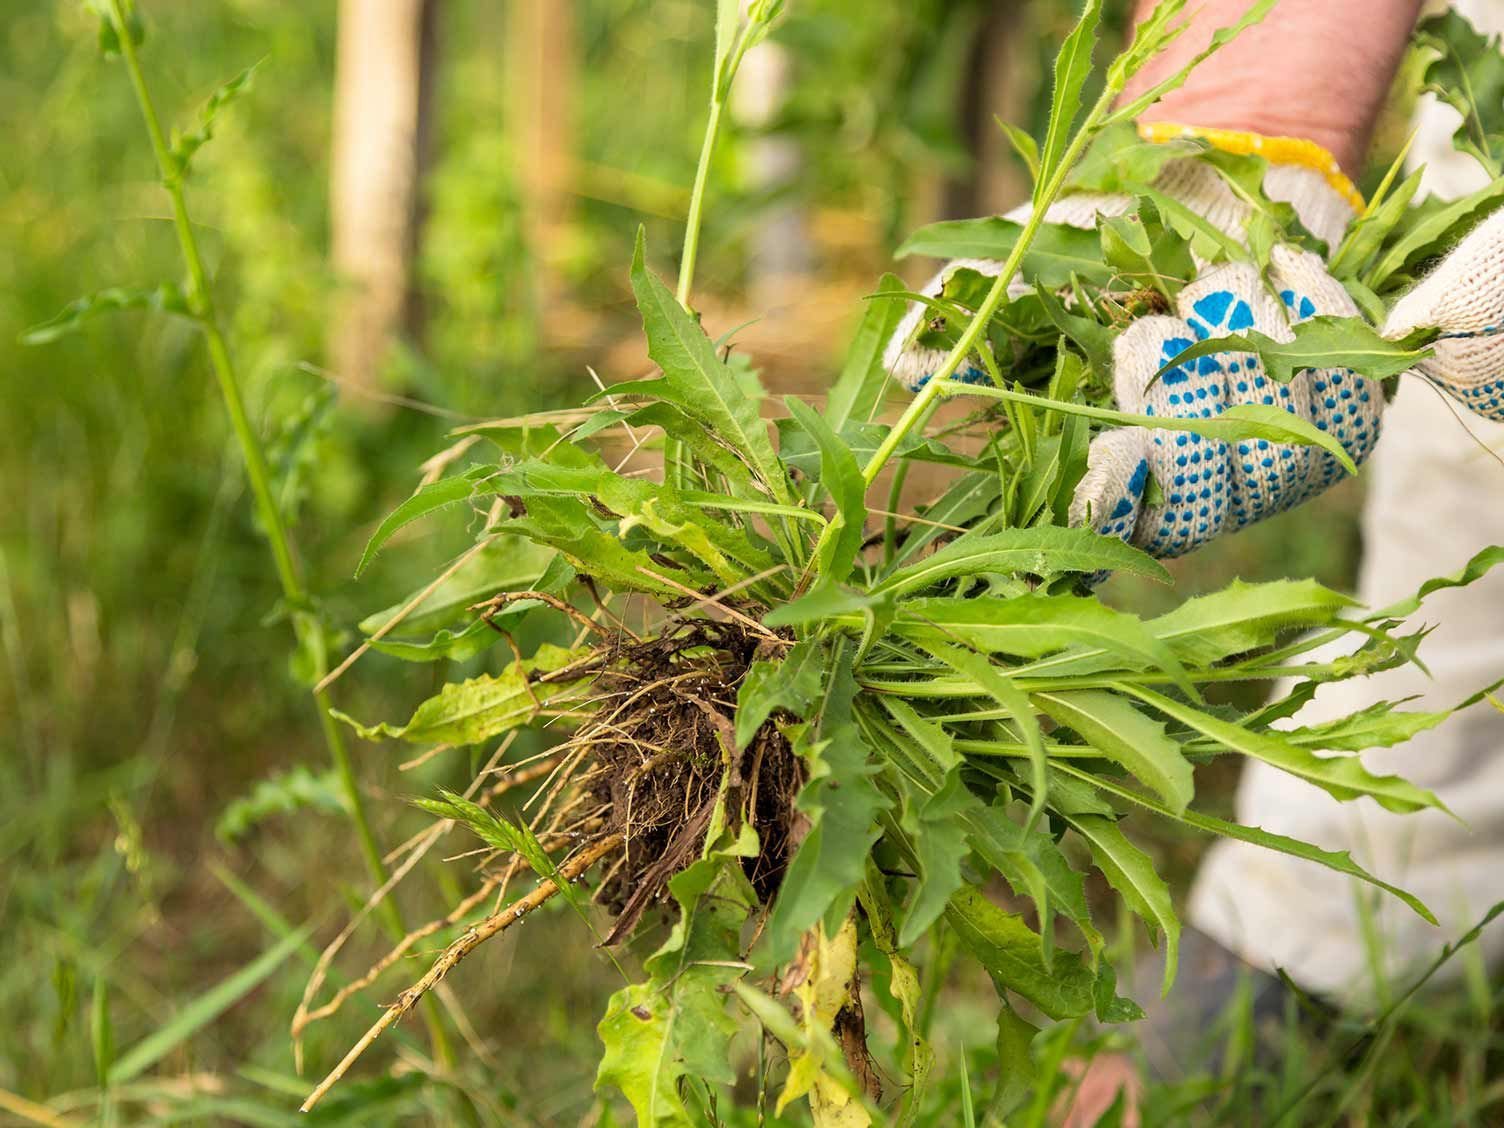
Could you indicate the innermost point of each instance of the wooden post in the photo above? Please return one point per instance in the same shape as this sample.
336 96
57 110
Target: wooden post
780 244
384 63
540 127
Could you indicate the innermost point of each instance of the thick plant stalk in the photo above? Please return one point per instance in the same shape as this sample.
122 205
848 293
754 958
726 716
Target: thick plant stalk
201 306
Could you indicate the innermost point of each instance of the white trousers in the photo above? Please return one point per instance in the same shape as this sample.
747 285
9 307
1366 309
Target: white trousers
1434 499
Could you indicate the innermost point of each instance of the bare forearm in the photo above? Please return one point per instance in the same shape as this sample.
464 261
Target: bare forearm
1318 69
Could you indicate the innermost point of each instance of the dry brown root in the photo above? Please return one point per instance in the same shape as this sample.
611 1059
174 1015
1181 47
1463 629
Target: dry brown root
654 752
415 848
457 951
662 745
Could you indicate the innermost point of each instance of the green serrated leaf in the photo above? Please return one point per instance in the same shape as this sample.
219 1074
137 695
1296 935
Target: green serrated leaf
1245 421
841 477
165 297
1009 950
792 683
992 682
1340 861
1381 725
1429 231
697 381
1321 342
1046 551
1343 777
1243 617
186 145
428 499
937 829
676 1025
1126 736
1057 252
1475 569
1032 626
471 711
1467 73
1072 69
1153 35
842 802
1130 871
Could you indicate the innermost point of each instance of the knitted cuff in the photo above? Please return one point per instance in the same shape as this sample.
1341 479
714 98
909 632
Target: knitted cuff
1296 151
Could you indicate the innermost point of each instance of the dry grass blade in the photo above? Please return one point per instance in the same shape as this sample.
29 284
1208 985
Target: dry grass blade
407 609
715 601
497 922
419 845
31 1112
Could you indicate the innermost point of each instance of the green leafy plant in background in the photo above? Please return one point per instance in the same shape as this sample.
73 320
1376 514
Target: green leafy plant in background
121 34
821 742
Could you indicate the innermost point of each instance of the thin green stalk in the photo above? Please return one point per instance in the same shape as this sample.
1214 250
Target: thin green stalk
948 688
995 295
201 305
720 90
697 198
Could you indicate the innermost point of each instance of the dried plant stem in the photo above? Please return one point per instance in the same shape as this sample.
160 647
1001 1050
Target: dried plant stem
31 1112
461 948
309 632
715 601
489 607
406 609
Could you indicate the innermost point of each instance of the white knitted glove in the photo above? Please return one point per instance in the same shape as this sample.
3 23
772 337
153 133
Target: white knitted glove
1321 209
1207 486
1464 297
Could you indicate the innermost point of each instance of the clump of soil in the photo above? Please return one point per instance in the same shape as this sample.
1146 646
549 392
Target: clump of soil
656 751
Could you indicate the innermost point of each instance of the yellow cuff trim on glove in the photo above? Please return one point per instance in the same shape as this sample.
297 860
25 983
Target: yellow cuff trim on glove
1277 150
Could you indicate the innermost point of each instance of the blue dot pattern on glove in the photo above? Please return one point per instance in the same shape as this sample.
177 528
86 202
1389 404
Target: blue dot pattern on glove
971 374
1486 396
1343 404
1194 479
1210 486
1124 514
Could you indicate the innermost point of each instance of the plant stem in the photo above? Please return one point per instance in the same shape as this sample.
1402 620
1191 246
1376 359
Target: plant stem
999 290
305 627
697 199
720 89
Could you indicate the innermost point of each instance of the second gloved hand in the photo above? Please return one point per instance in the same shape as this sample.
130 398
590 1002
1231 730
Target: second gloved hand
1170 492
1208 486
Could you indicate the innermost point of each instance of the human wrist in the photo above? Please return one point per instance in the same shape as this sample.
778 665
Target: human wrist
1313 69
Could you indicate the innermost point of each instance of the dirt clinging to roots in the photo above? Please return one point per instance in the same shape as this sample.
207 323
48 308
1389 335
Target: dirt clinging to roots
657 749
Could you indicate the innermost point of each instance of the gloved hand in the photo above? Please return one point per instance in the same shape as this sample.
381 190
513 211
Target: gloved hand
1207 486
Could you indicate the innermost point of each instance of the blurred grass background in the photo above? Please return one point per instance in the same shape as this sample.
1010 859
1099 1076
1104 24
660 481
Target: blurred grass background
144 689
